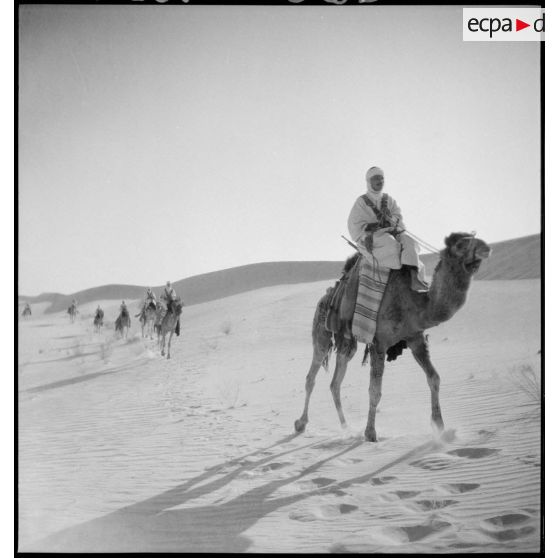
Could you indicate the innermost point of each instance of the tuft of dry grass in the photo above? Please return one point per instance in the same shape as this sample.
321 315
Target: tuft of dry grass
229 392
528 381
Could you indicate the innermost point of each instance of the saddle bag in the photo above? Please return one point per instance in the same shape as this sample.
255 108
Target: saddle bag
342 301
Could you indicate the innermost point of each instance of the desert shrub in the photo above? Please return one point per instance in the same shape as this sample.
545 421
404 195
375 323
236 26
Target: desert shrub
528 381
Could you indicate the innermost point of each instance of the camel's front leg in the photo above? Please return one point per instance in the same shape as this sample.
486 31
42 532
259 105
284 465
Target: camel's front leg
377 361
419 347
163 344
168 347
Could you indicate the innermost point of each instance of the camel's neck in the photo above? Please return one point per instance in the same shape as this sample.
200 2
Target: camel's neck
448 291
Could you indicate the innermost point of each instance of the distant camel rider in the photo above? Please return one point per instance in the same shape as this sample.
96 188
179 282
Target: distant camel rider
169 295
99 313
123 308
376 225
150 298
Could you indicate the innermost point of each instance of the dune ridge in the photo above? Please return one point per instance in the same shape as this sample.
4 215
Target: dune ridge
512 259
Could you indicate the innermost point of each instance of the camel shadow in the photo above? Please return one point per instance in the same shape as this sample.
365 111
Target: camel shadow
153 525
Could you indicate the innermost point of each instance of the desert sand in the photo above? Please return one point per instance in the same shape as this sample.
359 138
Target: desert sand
122 450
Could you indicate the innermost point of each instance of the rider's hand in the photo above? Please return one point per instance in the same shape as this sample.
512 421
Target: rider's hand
389 230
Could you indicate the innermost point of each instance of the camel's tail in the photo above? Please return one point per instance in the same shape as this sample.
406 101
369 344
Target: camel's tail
325 362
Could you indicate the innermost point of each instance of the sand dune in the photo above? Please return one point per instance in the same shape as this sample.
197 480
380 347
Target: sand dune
122 450
513 259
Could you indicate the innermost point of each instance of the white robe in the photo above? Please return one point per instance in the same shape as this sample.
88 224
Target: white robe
387 251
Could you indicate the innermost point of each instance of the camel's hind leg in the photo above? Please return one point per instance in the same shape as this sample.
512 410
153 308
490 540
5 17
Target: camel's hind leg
419 347
300 424
377 361
322 346
344 355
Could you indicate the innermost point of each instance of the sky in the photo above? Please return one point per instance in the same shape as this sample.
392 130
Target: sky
161 142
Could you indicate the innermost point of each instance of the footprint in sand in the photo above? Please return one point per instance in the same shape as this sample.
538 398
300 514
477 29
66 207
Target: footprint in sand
322 481
323 512
530 460
432 463
473 453
508 527
274 466
461 487
429 505
405 494
335 510
509 519
381 480
418 532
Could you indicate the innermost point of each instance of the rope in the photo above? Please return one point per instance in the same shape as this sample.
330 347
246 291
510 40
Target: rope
424 244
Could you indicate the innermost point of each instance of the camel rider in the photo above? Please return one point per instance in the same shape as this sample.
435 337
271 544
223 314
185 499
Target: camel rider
99 312
376 225
149 299
123 308
169 294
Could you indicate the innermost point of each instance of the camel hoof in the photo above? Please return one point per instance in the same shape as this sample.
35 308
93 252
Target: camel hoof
370 435
300 426
438 423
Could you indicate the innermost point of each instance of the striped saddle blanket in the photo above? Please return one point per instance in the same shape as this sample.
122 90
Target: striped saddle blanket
371 286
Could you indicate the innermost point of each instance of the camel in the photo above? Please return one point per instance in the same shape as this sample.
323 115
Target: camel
147 319
123 322
169 325
402 319
72 311
98 321
159 313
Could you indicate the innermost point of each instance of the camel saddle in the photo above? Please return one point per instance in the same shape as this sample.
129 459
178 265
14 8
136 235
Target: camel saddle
342 299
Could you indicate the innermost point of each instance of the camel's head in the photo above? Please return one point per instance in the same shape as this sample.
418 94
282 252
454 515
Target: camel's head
470 251
177 306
